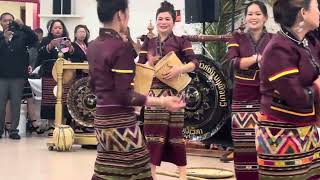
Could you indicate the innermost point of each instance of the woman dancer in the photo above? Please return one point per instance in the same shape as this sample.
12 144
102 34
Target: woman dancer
245 51
286 135
163 129
121 149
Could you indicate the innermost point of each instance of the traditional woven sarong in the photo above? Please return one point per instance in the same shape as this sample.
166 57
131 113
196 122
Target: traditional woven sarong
244 119
49 100
163 130
287 151
122 154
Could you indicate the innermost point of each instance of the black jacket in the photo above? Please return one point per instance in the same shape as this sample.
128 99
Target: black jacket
14 57
78 55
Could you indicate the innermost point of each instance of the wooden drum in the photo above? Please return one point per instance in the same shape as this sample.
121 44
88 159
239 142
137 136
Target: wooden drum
143 78
164 65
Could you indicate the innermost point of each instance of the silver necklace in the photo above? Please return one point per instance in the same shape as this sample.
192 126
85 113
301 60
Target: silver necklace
304 42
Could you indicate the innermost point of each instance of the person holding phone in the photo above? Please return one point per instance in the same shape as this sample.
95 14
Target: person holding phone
57 40
14 40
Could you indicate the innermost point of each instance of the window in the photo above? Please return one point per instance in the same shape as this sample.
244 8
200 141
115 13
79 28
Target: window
61 7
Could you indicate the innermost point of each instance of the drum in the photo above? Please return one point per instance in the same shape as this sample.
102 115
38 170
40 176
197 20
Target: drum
68 74
81 102
208 101
63 138
143 78
164 65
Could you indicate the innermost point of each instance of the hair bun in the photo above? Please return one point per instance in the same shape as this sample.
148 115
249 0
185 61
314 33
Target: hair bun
167 5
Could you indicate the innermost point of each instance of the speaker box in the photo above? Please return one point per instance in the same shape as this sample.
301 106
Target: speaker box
199 11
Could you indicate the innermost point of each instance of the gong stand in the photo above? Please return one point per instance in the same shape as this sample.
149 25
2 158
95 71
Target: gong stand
198 148
209 38
83 138
193 38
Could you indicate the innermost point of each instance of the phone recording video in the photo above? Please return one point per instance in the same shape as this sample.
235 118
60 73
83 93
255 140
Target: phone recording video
62 42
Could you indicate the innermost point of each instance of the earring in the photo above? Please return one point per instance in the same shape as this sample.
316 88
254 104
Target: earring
300 26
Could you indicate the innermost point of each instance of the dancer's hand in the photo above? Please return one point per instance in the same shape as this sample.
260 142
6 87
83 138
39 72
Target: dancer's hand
174 72
172 103
152 60
259 57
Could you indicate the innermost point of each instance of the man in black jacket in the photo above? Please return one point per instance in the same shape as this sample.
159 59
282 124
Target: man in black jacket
14 61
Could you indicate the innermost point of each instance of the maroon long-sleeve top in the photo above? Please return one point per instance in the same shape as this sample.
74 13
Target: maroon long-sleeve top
180 45
246 82
111 70
288 69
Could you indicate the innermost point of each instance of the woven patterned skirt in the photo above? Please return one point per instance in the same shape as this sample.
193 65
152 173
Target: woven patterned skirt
49 100
244 119
122 154
287 151
163 130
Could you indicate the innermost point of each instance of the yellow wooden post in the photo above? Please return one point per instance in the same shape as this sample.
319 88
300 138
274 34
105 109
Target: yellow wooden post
58 107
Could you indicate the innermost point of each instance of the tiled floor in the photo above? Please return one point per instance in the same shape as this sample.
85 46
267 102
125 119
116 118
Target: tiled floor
29 159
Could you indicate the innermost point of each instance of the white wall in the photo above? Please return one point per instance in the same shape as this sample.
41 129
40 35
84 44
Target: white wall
141 12
14 8
11 7
29 14
87 9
